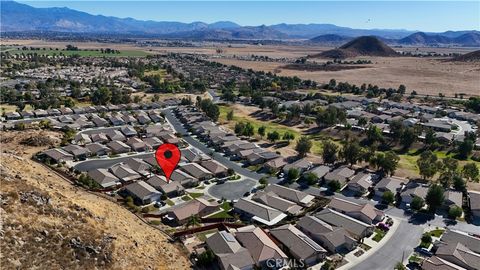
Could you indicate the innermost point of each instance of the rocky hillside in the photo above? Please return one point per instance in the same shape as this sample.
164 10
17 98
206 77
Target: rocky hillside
48 223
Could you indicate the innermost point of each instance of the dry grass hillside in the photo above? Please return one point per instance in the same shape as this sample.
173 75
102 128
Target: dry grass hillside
46 223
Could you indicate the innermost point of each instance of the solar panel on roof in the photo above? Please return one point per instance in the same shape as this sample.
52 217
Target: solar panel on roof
228 236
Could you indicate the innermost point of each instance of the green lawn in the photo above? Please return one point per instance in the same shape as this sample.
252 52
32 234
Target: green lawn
436 233
222 214
195 194
186 198
169 202
226 206
83 53
379 234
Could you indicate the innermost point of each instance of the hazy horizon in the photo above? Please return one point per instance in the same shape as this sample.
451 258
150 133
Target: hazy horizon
428 16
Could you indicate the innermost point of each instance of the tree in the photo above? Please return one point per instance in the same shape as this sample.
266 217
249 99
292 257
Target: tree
455 212
101 96
331 116
263 181
249 130
435 197
273 136
362 121
458 183
465 148
470 171
417 203
303 146
334 185
448 171
428 164
387 162
329 151
400 266
230 115
409 136
193 221
427 238
239 128
351 152
430 138
388 197
374 134
288 136
293 174
310 178
206 258
261 131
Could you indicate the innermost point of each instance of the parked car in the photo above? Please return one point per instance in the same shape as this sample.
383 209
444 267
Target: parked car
426 252
384 227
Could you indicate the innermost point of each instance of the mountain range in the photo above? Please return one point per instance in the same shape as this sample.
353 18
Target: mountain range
17 17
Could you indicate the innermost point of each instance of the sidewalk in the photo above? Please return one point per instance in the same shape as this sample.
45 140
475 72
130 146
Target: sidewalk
375 246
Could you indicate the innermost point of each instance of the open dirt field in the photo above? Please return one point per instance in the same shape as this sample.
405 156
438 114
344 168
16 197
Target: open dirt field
426 76
72 213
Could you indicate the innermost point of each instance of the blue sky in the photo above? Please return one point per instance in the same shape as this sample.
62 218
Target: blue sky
433 16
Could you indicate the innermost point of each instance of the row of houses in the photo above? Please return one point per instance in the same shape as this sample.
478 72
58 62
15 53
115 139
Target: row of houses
66 111
335 229
456 250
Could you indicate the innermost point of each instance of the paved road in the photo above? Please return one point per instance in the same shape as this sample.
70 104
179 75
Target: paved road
229 190
106 163
398 247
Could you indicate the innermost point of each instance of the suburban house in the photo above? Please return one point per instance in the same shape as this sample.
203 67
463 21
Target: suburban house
139 166
291 194
355 227
413 190
214 167
104 178
78 152
57 155
197 171
97 149
198 206
320 171
452 237
360 183
341 175
273 200
115 135
474 202
261 247
118 147
82 139
185 179
137 145
453 198
99 138
363 212
334 239
300 246
392 184
229 252
143 192
274 165
301 165
171 189
124 173
258 212
436 263
191 155
152 142
128 131
460 255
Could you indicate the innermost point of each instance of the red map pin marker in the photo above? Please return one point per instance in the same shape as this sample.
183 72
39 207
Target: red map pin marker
168 156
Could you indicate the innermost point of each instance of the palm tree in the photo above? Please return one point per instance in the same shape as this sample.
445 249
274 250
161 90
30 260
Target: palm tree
193 221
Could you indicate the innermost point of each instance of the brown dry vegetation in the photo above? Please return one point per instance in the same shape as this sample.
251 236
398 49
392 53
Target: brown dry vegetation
47 223
425 75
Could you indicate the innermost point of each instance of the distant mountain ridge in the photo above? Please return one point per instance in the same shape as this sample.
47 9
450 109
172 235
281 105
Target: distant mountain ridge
17 17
